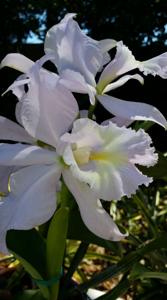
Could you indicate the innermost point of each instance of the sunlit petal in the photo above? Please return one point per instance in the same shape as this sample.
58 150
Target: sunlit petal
73 50
17 61
106 45
10 130
32 200
132 110
122 81
123 62
75 82
94 216
5 172
48 109
155 66
24 155
17 87
119 121
80 135
100 158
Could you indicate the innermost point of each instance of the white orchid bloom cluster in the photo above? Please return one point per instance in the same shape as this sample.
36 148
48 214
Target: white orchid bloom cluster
97 162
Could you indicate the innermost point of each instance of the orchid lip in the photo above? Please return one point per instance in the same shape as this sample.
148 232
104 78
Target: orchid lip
84 155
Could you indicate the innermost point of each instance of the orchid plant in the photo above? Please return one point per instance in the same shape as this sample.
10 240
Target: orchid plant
59 155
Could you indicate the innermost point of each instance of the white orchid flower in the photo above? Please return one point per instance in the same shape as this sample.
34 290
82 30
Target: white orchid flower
67 52
9 130
78 58
38 110
45 103
127 111
96 162
72 49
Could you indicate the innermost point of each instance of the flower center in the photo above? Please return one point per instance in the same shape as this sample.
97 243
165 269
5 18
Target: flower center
82 155
100 156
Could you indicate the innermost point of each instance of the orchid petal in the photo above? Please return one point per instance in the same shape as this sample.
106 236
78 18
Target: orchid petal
101 158
119 121
10 130
35 186
5 173
106 45
132 110
48 109
27 206
80 135
72 49
123 62
94 216
131 178
24 155
55 35
112 183
83 113
75 82
7 207
155 66
121 81
17 87
17 61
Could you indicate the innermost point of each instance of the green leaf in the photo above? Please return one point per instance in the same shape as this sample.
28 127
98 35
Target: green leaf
139 271
79 255
136 271
157 275
157 171
29 295
29 247
56 241
140 201
127 262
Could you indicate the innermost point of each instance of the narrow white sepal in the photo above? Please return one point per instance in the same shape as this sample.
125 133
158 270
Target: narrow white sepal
17 61
132 110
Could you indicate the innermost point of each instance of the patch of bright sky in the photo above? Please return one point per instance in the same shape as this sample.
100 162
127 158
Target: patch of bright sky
34 38
156 36
166 32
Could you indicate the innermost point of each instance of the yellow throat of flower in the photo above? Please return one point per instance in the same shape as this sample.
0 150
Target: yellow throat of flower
83 155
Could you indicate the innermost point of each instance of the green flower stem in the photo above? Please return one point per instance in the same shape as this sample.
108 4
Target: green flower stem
56 242
91 110
146 125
